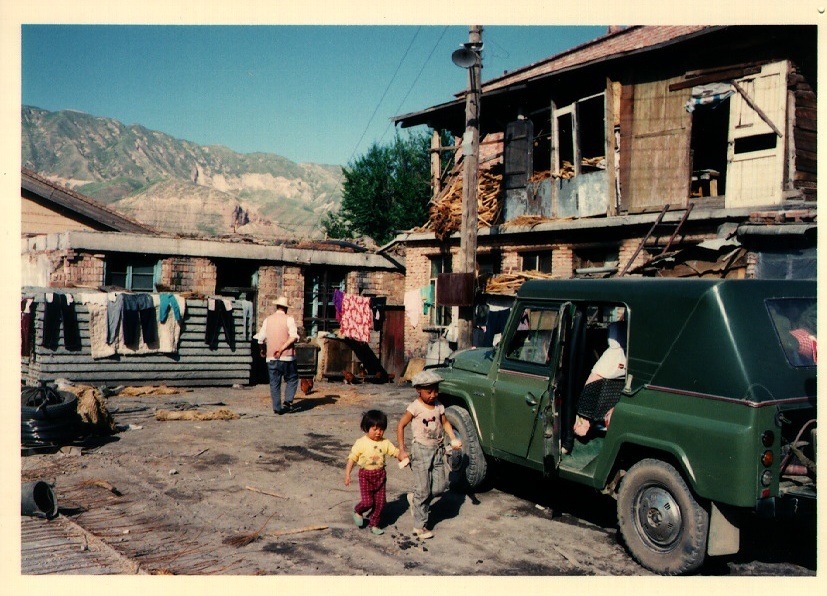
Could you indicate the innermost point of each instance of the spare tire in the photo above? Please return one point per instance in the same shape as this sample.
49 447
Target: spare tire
48 416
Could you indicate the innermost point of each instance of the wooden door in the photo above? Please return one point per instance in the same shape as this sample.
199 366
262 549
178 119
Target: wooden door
659 147
392 349
755 151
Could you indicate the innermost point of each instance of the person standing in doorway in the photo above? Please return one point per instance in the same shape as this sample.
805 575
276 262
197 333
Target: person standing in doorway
277 335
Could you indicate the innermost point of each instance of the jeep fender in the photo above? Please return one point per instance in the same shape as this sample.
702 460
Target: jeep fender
623 451
450 396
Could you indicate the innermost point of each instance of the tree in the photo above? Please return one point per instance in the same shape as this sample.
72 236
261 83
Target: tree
386 189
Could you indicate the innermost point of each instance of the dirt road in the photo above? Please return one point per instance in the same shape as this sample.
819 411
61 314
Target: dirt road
180 497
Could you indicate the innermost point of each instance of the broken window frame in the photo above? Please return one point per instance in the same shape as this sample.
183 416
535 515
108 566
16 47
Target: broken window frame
439 316
319 309
574 110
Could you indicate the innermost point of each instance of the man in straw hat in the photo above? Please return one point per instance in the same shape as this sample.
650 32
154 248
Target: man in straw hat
277 335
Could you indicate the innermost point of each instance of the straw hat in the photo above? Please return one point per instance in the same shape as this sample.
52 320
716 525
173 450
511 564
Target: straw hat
281 301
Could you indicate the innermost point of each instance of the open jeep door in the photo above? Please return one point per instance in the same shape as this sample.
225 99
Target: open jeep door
554 415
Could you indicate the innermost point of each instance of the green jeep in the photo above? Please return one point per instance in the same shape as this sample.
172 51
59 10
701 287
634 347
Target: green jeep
712 414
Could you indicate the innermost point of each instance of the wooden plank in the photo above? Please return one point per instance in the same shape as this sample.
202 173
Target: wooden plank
715 77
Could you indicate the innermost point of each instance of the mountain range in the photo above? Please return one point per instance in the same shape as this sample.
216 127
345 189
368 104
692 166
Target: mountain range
175 185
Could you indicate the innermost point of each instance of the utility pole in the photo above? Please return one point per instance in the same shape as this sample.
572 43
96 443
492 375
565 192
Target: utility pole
470 177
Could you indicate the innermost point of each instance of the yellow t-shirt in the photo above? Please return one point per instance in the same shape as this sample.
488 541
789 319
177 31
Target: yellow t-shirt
369 454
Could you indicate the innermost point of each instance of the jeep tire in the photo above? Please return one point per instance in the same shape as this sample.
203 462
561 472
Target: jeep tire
663 526
472 467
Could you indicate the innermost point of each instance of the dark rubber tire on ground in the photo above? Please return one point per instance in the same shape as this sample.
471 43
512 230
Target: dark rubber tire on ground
473 465
663 526
62 404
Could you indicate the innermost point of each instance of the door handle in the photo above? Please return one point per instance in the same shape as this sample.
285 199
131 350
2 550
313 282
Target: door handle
530 399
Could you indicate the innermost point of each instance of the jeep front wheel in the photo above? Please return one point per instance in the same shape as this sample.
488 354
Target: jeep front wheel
662 524
471 468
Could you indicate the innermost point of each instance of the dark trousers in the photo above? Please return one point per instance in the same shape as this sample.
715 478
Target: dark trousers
139 317
26 320
58 311
220 318
278 370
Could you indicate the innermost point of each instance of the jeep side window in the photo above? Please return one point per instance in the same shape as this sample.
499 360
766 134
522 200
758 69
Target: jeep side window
533 337
795 322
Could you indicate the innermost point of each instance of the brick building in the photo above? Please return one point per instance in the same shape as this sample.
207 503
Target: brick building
84 258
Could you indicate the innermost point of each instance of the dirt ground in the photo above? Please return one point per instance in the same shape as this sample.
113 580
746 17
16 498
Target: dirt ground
191 498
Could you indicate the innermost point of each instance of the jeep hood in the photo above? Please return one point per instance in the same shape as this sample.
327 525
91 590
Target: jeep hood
476 360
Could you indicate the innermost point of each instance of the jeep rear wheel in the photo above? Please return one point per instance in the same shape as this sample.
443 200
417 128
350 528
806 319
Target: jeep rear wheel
472 465
662 524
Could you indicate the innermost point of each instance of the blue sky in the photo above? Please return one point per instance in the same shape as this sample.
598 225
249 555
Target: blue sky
319 94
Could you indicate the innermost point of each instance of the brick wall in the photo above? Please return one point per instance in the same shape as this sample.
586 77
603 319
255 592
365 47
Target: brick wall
418 265
69 268
280 280
188 274
388 284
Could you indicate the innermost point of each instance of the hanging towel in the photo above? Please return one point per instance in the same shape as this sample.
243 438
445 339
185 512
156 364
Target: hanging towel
96 304
413 306
357 318
427 294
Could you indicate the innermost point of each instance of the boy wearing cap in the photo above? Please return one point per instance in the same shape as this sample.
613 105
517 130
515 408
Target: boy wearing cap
427 418
278 333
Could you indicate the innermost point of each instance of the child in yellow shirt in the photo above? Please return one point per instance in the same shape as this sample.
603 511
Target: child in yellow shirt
369 454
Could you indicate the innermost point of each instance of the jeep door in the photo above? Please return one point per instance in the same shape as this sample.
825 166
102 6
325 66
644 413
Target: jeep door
521 383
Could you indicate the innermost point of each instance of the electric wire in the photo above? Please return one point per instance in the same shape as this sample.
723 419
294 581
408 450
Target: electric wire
399 107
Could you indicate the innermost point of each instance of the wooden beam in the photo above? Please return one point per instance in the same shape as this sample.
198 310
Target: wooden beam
724 75
755 107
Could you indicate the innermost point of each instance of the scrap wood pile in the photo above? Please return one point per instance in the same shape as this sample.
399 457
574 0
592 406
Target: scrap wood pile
509 283
219 414
527 220
445 213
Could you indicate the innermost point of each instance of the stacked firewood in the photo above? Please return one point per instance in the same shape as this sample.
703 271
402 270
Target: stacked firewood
445 213
509 283
567 168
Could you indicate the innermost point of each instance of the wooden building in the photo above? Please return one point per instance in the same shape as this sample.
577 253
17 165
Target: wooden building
634 147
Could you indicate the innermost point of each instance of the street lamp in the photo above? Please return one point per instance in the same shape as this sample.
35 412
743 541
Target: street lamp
468 57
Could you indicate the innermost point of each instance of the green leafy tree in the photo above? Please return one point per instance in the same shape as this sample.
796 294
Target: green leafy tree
384 190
